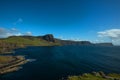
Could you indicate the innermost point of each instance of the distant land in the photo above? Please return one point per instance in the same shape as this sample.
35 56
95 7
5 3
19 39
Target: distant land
8 44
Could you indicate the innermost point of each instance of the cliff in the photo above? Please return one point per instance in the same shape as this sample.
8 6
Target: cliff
49 37
69 42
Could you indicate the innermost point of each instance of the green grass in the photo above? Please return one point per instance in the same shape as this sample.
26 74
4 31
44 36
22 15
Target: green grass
86 77
8 44
6 59
25 41
89 76
114 75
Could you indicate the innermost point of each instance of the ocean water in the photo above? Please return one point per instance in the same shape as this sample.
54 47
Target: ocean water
53 63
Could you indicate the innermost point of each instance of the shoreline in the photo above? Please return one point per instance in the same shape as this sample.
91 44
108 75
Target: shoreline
94 76
14 65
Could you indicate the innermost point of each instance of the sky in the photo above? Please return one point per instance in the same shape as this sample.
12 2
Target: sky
90 20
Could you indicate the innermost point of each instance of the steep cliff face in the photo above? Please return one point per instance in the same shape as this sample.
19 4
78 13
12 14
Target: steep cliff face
68 42
49 37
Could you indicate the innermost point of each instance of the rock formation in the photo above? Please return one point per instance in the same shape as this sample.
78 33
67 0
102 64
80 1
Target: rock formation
49 37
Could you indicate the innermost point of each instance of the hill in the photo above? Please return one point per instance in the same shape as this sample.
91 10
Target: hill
13 42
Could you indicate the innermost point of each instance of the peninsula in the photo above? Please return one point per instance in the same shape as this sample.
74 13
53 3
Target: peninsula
13 63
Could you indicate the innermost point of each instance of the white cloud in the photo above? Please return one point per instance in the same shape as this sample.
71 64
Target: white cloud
20 20
28 33
18 34
113 34
14 29
72 38
11 32
4 32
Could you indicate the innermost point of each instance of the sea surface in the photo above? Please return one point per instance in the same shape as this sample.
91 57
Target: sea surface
56 62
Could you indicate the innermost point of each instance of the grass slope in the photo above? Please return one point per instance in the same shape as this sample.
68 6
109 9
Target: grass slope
8 44
26 41
6 59
90 76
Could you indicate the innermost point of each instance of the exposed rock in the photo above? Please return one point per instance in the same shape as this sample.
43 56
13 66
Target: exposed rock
102 74
96 73
13 65
49 37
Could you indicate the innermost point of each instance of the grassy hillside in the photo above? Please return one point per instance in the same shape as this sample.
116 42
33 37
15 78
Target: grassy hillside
97 76
7 44
6 59
26 41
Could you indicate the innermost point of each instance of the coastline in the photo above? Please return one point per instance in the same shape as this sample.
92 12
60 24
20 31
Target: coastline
13 65
95 76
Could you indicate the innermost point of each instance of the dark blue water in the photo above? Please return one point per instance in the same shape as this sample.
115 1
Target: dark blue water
53 63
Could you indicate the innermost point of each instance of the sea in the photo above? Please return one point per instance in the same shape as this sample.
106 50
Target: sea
58 62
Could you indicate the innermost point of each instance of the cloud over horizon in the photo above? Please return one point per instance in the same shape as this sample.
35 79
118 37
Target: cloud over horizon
112 34
28 33
4 32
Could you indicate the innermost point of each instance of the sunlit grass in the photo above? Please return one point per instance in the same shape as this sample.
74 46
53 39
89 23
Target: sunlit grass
89 76
5 59
25 41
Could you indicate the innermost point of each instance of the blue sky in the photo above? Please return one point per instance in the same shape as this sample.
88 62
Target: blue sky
66 19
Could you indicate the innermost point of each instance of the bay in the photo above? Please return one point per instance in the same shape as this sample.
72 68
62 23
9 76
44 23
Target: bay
55 62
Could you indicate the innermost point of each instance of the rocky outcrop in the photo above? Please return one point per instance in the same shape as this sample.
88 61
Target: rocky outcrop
49 37
12 65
